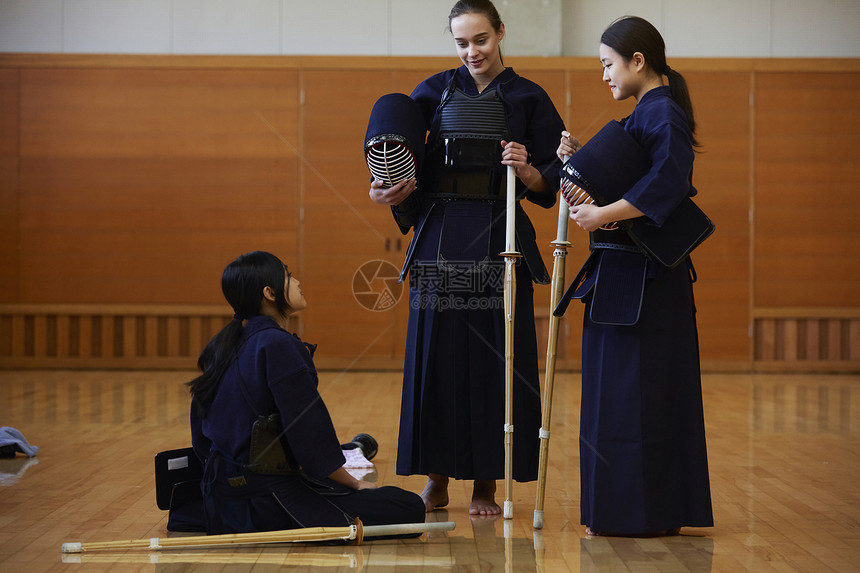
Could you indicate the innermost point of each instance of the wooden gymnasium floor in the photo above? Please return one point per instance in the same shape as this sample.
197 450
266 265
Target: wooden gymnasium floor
784 455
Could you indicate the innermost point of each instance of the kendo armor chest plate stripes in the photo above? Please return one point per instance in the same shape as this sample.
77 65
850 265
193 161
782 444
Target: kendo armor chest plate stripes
480 117
466 153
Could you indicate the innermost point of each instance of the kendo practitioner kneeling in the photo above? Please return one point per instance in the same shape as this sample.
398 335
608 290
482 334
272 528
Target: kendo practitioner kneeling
271 457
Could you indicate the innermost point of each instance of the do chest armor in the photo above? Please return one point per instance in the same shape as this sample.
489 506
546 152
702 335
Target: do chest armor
465 152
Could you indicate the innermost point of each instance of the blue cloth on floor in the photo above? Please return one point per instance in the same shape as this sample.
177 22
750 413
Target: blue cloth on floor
17 441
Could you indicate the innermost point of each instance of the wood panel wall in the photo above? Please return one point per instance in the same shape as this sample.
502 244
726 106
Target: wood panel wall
128 182
108 336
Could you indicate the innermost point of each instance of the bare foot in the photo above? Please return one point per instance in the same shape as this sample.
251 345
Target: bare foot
484 499
435 493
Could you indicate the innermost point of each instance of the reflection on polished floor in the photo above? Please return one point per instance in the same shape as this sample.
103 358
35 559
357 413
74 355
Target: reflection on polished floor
784 453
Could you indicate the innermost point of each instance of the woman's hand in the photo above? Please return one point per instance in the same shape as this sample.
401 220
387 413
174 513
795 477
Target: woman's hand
393 195
343 477
587 216
515 155
590 217
568 145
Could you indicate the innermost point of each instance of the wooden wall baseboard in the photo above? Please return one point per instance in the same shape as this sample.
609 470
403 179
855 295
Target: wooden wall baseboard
106 336
806 339
144 337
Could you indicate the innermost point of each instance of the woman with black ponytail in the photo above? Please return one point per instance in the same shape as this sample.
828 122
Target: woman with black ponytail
643 458
271 457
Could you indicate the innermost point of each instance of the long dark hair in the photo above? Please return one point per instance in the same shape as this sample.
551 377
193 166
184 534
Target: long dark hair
631 34
484 7
242 283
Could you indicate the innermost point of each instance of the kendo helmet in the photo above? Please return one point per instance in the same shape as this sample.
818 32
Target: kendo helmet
394 143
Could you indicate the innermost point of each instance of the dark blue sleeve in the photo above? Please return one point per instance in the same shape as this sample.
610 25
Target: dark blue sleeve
535 123
307 425
667 140
428 94
545 130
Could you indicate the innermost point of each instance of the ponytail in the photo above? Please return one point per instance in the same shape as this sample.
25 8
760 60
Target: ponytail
681 95
213 362
242 283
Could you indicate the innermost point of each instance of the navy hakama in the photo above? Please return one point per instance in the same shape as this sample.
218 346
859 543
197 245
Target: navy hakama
643 460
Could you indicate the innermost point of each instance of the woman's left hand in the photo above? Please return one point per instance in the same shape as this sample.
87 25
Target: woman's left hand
590 217
587 216
343 477
515 155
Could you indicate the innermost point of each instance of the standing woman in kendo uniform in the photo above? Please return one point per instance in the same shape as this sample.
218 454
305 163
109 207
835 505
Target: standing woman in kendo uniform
643 459
482 117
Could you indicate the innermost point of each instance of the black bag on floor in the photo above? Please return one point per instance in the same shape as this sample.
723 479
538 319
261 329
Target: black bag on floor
177 489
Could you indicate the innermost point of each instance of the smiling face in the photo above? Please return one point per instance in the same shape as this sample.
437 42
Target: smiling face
620 74
478 45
